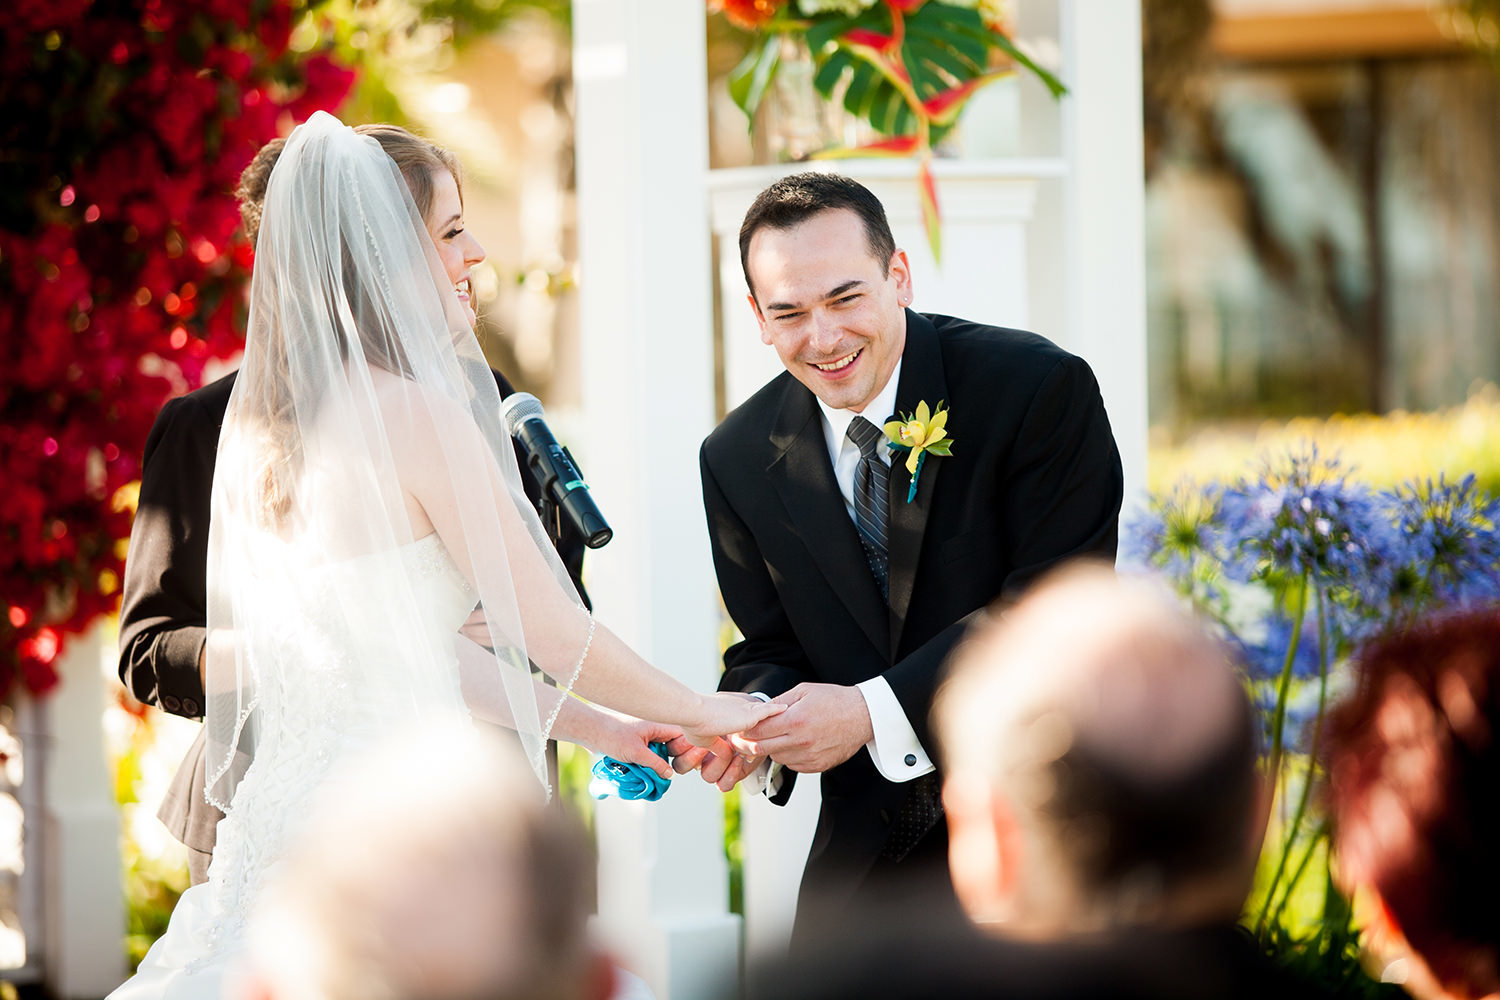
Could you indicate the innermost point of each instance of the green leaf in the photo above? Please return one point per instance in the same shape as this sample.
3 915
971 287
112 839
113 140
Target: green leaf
824 31
943 447
861 88
905 121
884 103
1053 84
924 64
957 47
749 80
831 70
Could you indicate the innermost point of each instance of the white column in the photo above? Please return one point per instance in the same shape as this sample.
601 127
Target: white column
84 906
1104 211
646 331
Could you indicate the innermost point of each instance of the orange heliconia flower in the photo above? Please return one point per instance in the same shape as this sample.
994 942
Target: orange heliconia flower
748 14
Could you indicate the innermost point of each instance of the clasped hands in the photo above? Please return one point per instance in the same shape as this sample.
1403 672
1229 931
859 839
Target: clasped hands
822 726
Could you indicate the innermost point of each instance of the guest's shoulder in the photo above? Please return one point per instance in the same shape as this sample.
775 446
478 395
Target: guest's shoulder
191 417
211 399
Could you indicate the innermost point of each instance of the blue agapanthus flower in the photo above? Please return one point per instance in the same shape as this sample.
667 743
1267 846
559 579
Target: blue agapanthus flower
1264 655
1301 515
1314 543
1297 567
1450 539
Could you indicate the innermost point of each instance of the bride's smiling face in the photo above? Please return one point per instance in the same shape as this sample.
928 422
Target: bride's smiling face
459 250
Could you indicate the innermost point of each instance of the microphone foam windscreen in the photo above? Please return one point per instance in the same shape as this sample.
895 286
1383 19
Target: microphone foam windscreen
517 408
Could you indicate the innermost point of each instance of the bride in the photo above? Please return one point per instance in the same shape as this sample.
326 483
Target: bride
373 560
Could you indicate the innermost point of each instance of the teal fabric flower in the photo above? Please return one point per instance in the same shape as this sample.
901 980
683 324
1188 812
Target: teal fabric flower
629 781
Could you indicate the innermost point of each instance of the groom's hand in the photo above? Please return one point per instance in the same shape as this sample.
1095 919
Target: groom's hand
720 764
687 756
823 726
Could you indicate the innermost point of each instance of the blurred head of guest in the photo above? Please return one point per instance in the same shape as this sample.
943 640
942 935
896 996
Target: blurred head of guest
432 871
1413 757
1100 760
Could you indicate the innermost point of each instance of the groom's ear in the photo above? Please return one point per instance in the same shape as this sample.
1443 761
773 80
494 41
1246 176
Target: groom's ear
760 317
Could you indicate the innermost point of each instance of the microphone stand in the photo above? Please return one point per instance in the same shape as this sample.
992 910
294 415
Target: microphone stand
551 516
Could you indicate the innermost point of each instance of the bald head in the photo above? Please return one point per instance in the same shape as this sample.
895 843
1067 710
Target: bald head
1105 736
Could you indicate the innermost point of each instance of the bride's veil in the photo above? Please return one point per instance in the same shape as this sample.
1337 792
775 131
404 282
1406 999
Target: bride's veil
361 378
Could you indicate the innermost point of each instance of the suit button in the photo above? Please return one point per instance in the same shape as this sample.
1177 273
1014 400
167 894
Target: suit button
911 760
171 704
190 707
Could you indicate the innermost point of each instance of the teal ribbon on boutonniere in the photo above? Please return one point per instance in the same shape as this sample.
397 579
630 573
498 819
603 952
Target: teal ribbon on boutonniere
919 434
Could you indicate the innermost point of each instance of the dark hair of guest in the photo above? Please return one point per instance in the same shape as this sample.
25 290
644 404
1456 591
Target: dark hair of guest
1124 832
1413 757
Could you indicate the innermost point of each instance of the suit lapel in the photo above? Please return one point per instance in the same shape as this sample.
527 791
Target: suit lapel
921 378
803 477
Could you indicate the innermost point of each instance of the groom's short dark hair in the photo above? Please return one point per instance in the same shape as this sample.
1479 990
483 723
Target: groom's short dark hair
795 199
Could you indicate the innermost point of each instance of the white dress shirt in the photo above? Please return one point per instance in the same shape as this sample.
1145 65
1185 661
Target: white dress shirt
895 749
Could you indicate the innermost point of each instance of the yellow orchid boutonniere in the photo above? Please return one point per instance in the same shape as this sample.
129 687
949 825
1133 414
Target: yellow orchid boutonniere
919 434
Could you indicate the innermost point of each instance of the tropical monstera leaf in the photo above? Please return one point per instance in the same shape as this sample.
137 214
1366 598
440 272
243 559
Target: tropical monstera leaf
905 66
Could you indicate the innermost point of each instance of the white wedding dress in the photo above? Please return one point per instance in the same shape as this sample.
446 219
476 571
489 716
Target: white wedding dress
328 714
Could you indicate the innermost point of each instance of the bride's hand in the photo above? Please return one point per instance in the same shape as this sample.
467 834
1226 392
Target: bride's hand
628 739
726 713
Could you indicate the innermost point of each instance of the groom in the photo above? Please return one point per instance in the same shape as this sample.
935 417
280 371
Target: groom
850 583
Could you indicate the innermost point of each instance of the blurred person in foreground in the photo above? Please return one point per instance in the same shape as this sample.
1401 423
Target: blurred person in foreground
1104 809
1413 771
433 870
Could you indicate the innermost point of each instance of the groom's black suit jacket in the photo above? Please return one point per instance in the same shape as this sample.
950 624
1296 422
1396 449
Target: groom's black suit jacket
1034 479
165 604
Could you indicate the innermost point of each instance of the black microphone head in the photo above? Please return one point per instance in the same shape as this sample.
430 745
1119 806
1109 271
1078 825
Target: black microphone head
517 408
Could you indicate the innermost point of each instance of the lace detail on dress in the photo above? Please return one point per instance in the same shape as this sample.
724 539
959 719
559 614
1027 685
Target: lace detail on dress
336 703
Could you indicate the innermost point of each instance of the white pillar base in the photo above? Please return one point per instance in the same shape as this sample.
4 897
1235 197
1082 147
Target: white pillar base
663 890
84 904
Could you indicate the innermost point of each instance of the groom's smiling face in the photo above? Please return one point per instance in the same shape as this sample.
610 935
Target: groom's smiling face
833 311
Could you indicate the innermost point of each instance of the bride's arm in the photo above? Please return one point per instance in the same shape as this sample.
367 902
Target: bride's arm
592 728
436 445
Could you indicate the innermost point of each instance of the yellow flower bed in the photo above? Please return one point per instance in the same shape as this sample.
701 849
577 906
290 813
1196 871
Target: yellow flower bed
1380 451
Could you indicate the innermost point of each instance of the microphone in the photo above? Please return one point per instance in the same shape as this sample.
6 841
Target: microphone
554 467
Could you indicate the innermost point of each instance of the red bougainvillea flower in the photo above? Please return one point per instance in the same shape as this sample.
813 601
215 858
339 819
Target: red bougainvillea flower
120 273
748 14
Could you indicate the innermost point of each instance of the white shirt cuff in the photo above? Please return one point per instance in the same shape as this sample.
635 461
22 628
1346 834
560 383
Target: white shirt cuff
895 749
765 779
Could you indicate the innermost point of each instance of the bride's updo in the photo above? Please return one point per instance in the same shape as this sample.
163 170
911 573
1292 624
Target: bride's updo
417 159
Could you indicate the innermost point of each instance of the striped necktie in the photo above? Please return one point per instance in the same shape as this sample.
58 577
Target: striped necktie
872 479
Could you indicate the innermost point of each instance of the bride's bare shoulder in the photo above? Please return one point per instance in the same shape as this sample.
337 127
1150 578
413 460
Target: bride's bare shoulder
412 410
